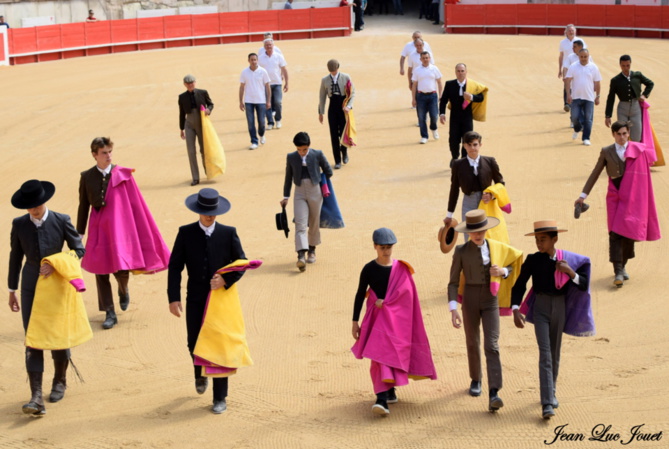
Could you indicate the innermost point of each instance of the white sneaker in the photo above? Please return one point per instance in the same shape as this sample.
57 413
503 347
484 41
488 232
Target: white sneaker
418 125
262 140
423 140
278 125
435 134
574 136
253 146
586 142
268 127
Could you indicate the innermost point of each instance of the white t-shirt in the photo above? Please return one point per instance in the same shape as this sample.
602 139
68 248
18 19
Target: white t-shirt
572 58
567 47
254 85
276 50
583 79
408 48
426 77
273 66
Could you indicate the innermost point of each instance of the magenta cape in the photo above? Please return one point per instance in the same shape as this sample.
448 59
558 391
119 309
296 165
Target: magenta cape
394 336
123 235
631 209
579 321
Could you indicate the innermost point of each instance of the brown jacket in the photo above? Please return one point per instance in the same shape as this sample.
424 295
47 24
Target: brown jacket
615 167
462 177
92 192
467 259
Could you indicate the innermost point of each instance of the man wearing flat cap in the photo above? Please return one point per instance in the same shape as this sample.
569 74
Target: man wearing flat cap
190 122
203 247
38 234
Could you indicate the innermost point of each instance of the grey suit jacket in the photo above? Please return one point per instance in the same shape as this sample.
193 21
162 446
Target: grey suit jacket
326 90
33 243
608 158
316 162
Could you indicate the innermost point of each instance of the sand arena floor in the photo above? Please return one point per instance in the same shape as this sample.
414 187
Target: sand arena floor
306 389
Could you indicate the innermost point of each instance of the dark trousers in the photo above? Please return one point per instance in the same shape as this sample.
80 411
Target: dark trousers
105 296
549 319
357 11
457 128
621 249
194 316
480 307
35 357
337 123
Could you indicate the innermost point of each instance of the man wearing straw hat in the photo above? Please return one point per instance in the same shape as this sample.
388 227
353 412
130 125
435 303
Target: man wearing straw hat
190 122
203 247
560 283
485 264
38 234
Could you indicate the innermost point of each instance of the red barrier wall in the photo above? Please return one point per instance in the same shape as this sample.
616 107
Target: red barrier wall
51 42
547 19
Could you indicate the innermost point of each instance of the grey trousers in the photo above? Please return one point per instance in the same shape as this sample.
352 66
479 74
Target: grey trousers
470 202
630 111
480 306
307 205
549 319
193 129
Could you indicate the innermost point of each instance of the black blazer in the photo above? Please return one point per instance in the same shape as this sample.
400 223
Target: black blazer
201 98
623 89
315 159
36 243
92 193
202 256
452 93
462 177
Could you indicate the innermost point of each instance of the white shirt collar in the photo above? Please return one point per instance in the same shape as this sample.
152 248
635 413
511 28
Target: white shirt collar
485 252
39 223
621 149
106 171
207 229
334 77
474 162
461 84
304 159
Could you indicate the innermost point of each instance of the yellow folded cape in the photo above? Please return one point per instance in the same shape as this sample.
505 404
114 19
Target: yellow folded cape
658 149
214 156
504 255
58 318
478 108
222 339
493 209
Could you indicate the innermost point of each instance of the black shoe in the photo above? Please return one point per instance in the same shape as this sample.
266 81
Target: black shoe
495 401
475 388
626 275
579 209
124 300
194 183
110 320
381 408
547 411
556 404
201 384
337 166
219 407
392 396
345 160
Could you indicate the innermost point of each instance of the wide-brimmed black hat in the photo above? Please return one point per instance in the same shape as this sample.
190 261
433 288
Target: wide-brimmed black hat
207 202
282 222
33 193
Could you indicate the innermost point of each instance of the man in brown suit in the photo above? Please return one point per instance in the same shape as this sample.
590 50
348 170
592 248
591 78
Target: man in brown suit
92 192
190 122
472 174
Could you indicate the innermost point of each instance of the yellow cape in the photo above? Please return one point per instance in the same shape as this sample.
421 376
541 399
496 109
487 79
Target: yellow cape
58 318
493 209
214 156
222 338
658 149
350 135
479 108
504 255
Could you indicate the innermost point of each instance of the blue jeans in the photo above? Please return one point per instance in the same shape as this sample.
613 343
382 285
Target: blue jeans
277 96
427 103
260 111
581 116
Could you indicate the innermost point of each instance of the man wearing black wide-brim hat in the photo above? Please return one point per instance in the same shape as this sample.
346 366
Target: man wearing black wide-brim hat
203 247
38 234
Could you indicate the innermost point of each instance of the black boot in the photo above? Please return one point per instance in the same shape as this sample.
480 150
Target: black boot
618 271
495 401
124 300
59 380
36 404
110 320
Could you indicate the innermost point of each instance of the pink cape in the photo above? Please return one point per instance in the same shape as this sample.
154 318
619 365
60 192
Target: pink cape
631 209
394 336
123 235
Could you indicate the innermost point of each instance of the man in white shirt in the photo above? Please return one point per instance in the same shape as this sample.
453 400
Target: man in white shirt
261 50
409 48
275 64
582 84
413 60
566 48
426 89
288 4
255 96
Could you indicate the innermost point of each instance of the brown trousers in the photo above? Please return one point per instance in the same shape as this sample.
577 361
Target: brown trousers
105 297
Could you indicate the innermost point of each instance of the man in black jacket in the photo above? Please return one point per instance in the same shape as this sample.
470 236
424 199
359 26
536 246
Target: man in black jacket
38 234
190 122
203 247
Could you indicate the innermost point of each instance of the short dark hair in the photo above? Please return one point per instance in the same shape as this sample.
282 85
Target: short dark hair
101 142
471 136
578 42
301 139
551 234
251 54
625 58
618 125
425 53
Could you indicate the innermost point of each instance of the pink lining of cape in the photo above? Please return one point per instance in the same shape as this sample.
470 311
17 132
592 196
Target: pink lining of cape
123 235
